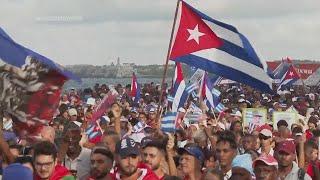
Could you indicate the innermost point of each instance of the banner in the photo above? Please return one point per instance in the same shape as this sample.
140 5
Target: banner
289 117
253 117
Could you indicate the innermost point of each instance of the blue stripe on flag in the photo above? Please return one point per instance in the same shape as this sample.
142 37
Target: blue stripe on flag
168 122
225 71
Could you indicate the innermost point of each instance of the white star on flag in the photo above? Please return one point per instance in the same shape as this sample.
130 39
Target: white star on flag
195 34
291 73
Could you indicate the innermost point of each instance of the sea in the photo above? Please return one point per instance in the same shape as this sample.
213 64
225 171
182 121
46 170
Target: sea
90 82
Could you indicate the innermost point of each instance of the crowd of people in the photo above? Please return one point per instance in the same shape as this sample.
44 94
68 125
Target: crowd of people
127 141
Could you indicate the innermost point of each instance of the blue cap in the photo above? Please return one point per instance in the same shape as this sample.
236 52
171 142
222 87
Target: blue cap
127 147
243 161
193 151
17 171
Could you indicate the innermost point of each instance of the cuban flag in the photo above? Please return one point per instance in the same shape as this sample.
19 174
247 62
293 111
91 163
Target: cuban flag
179 85
30 85
290 77
281 69
135 89
220 107
209 93
218 48
168 122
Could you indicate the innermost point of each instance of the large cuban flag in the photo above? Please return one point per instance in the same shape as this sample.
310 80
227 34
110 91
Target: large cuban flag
218 48
290 77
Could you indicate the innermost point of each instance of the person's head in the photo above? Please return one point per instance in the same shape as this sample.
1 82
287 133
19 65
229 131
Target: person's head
101 162
63 109
142 117
200 138
110 138
153 153
17 171
73 114
282 123
249 142
127 156
236 126
226 149
191 159
265 167
213 174
285 153
265 137
15 149
44 159
152 114
242 167
72 135
210 159
48 134
25 161
312 122
311 150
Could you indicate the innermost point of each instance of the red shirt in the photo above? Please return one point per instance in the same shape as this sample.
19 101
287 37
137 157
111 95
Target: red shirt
146 173
310 171
58 173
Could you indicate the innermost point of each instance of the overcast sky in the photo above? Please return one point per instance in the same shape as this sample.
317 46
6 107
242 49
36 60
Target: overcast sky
98 31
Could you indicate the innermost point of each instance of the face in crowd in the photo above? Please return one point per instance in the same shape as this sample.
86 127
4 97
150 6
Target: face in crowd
101 162
225 153
152 156
129 164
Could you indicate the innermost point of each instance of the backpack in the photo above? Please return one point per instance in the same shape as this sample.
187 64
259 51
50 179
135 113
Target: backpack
301 174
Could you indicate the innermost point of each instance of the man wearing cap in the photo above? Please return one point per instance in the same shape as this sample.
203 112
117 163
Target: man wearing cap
288 169
265 137
191 161
128 162
152 118
153 153
265 167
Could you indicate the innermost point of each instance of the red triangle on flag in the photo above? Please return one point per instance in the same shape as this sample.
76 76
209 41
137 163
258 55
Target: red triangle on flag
193 34
292 73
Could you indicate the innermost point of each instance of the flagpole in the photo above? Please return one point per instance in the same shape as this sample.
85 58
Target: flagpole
200 93
167 60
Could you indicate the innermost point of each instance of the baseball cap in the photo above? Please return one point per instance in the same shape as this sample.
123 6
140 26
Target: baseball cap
286 146
152 109
16 171
266 159
91 101
193 151
73 112
266 132
134 110
243 161
127 147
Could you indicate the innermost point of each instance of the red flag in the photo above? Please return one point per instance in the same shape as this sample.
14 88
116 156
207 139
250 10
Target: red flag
106 103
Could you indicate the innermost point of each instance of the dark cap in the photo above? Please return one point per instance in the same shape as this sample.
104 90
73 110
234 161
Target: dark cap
286 146
193 151
127 147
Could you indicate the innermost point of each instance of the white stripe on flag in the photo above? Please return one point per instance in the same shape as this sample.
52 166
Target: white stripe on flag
224 33
216 92
178 95
223 58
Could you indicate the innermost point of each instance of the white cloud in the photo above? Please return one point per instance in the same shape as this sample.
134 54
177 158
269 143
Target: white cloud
98 31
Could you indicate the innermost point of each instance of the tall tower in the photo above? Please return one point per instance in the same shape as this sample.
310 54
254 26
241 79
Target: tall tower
118 61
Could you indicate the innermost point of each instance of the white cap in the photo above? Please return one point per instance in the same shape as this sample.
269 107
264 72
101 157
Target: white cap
91 101
266 132
73 112
241 100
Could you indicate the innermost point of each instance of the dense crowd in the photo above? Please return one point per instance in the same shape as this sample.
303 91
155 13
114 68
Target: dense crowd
127 141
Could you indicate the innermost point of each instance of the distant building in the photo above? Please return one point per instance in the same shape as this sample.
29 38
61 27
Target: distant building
125 69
